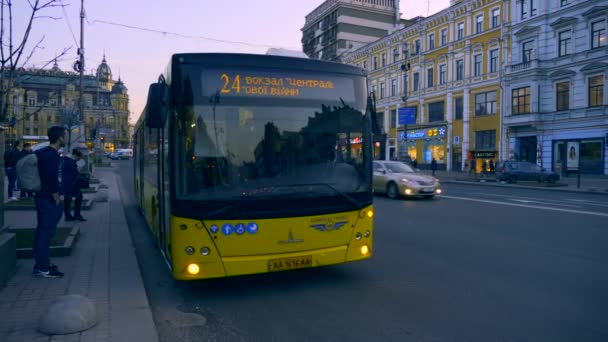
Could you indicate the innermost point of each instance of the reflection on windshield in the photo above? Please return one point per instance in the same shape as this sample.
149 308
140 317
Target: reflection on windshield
398 168
235 151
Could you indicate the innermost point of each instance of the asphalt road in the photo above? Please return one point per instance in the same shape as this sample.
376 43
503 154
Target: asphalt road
480 264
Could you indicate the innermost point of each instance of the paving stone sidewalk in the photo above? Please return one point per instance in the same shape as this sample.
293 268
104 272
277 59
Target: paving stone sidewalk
102 267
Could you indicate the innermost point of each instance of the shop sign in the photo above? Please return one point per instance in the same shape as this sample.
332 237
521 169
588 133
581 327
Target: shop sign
484 155
424 133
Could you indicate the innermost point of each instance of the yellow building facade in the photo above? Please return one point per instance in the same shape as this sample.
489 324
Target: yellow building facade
438 85
41 99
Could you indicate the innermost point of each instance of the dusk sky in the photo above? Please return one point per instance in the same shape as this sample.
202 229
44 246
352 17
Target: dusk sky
139 56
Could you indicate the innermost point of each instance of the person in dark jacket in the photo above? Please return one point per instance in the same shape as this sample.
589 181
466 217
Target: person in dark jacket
11 157
48 203
433 166
72 187
27 149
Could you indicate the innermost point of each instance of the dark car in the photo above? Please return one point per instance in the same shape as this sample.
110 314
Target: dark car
512 171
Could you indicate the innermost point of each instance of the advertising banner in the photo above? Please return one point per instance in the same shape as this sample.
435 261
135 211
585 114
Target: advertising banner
572 158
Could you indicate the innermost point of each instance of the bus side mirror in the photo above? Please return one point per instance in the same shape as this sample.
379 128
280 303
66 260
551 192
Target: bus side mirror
157 105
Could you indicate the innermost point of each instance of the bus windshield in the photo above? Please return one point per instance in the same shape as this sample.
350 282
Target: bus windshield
237 152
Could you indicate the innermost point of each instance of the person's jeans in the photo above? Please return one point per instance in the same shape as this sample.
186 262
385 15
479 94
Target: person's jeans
48 214
11 174
67 205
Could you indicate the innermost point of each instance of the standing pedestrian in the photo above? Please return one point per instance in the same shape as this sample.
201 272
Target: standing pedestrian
492 166
27 149
474 167
484 168
48 203
433 166
11 157
73 182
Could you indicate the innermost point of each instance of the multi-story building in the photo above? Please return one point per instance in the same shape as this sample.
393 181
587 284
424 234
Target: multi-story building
44 98
446 71
556 105
338 26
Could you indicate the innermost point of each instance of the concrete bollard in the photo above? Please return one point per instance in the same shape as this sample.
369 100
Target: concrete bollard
67 315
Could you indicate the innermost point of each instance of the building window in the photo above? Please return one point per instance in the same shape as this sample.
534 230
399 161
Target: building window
485 103
442 74
381 120
405 84
532 7
383 60
459 70
393 87
563 3
460 31
395 55
416 81
598 34
393 123
596 91
564 42
430 78
524 9
431 41
527 48
458 108
365 65
493 60
436 112
495 17
562 96
477 65
444 36
417 46
479 23
485 140
374 90
382 88
521 100
375 62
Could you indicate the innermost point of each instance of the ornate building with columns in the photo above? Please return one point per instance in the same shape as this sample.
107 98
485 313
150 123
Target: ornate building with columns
44 98
445 72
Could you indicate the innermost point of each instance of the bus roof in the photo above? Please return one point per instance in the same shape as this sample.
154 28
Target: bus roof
256 61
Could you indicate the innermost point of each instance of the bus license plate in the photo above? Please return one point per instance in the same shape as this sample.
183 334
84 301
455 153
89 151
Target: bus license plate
289 263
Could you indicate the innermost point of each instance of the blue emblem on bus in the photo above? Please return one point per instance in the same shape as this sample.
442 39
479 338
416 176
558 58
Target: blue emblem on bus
239 229
227 229
326 227
214 228
252 227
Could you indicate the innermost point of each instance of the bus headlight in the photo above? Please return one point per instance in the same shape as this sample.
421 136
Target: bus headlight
205 251
189 250
364 249
193 269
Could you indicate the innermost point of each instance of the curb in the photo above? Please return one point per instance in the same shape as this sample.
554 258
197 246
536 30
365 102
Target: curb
513 186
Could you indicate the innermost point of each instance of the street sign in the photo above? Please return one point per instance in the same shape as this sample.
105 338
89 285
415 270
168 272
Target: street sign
407 116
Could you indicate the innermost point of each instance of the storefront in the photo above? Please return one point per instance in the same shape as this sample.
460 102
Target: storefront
483 159
425 144
587 154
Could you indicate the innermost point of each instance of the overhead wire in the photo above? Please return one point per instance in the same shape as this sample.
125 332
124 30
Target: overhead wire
65 16
181 35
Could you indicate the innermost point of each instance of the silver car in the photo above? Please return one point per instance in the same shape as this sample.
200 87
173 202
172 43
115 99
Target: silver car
397 179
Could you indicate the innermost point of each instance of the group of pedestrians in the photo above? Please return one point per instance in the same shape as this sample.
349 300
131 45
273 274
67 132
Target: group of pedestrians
59 176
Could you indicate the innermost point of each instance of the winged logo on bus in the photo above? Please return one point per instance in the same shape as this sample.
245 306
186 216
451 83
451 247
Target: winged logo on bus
326 227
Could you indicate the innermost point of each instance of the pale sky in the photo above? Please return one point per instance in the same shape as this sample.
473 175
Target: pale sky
140 56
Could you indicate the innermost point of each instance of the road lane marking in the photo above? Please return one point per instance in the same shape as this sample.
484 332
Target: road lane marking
542 200
582 212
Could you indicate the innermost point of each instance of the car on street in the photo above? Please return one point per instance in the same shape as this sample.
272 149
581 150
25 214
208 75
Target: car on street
397 179
513 171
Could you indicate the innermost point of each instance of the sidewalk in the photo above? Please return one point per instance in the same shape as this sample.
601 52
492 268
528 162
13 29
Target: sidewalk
589 183
102 267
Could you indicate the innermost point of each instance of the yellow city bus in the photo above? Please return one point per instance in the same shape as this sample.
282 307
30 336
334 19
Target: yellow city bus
249 164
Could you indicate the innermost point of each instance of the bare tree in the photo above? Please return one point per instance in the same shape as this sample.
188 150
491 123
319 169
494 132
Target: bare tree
14 52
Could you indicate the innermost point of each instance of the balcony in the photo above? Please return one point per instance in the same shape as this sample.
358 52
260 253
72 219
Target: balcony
529 65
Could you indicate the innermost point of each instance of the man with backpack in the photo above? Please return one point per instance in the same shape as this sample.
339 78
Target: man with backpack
27 149
48 203
10 164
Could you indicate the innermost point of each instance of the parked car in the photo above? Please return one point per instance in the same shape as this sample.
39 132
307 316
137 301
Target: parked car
397 179
513 171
